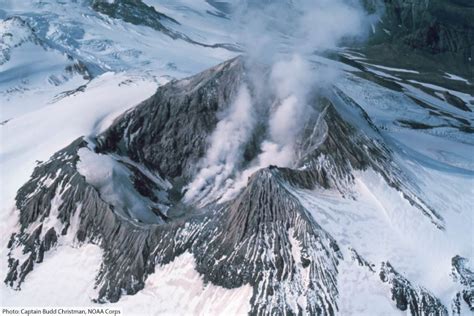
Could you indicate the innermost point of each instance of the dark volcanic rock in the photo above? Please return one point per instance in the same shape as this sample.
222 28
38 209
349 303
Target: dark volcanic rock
361 261
246 241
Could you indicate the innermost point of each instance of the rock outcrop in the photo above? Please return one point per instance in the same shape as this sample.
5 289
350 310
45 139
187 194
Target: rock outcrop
133 11
436 27
465 277
408 297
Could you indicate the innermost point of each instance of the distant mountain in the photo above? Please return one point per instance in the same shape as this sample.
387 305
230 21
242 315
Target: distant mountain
443 28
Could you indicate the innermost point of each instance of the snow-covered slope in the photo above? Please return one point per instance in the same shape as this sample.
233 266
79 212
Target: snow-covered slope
46 52
104 43
290 182
32 71
173 289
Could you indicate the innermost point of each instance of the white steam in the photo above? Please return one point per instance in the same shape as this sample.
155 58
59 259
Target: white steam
226 150
283 35
291 81
270 29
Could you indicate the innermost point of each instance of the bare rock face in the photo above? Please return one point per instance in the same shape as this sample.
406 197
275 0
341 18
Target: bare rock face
462 274
267 239
263 237
416 300
168 132
57 203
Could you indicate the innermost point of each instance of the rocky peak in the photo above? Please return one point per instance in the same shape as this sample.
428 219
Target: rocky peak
168 132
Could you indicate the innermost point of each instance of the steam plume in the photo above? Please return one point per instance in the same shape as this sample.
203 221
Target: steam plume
283 35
